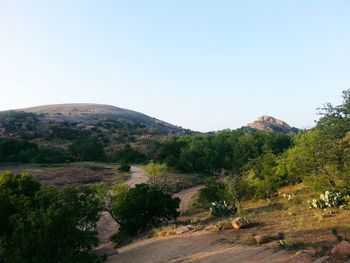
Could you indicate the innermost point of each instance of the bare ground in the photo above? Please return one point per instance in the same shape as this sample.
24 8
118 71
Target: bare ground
201 247
137 176
186 196
75 173
107 226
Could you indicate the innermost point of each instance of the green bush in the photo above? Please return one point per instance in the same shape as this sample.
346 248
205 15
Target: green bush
142 207
214 190
222 209
124 167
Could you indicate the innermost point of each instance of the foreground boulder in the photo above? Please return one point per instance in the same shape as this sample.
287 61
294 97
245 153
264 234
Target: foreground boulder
342 249
239 223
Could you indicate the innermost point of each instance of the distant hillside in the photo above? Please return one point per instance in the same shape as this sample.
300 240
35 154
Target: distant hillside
59 125
93 113
270 124
81 116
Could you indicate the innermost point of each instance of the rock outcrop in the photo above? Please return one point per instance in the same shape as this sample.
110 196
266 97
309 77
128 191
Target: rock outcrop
270 124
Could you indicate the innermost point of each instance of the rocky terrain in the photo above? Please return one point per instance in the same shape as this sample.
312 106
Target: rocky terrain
270 124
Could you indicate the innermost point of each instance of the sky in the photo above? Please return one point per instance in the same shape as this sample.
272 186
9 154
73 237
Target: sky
200 64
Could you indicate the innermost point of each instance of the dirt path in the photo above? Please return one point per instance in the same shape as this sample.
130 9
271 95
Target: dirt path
106 226
203 247
137 176
186 196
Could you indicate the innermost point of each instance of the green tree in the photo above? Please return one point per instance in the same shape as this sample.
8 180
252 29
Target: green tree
87 150
128 155
320 157
157 174
45 224
142 207
261 175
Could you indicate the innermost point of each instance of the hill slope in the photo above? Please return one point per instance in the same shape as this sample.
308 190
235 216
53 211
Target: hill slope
64 121
92 113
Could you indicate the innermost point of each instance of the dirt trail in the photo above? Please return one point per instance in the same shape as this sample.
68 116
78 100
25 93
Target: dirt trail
186 196
106 226
137 176
201 247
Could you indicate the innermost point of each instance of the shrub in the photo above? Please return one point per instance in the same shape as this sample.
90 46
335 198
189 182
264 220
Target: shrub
124 167
144 206
328 200
222 209
214 190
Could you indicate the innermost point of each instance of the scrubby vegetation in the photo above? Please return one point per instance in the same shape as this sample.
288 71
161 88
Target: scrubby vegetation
222 209
40 223
260 162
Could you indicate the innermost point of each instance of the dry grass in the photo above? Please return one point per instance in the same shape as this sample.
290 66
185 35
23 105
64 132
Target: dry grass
302 225
163 231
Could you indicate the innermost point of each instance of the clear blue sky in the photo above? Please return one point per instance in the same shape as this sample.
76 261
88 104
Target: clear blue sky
204 65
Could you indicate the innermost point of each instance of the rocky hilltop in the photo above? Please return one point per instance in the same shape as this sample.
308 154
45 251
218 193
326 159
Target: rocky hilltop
270 124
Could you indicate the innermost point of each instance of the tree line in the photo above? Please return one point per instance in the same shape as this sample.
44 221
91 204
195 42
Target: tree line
258 163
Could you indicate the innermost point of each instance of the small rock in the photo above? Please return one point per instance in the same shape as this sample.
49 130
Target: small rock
239 223
262 239
342 249
181 230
